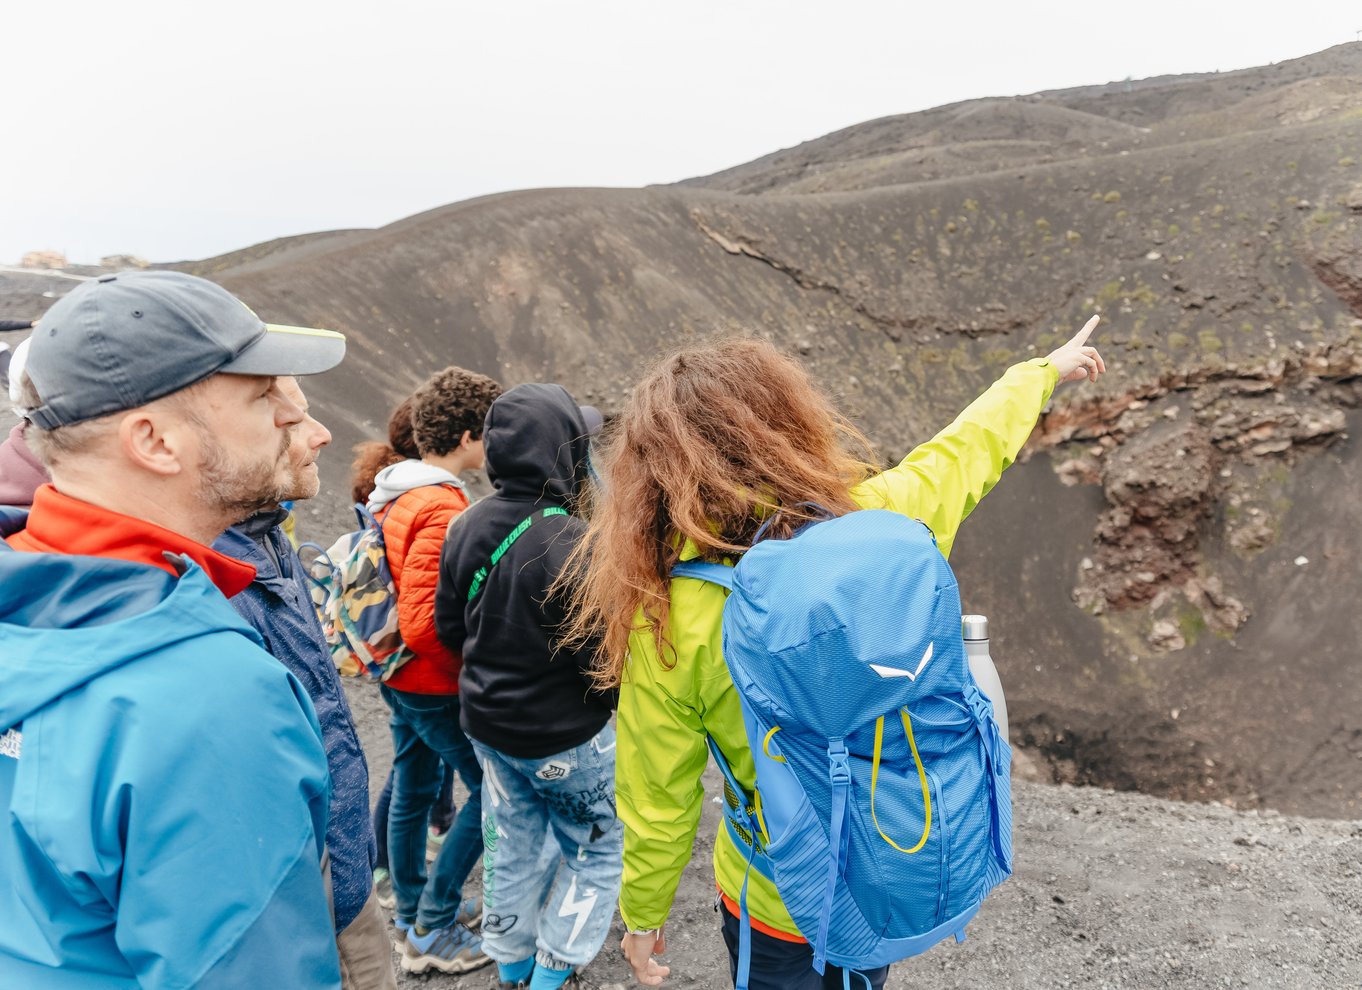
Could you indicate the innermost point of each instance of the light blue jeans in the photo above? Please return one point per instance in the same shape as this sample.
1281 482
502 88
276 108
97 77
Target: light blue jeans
552 853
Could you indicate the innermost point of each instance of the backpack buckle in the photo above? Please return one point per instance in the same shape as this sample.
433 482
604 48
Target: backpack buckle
839 769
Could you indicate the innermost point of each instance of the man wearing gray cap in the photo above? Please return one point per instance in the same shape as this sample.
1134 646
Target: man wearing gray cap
163 777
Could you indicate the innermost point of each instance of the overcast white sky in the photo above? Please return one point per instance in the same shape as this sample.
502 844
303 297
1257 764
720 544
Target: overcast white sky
181 130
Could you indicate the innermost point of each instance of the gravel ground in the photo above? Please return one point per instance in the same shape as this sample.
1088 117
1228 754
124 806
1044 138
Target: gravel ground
1111 890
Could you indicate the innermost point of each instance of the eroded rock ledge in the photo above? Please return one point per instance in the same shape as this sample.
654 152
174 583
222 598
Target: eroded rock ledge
1192 456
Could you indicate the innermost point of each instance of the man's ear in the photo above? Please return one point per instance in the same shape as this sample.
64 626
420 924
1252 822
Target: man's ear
155 441
467 440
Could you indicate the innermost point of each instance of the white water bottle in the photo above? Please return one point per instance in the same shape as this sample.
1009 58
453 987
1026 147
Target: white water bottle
974 628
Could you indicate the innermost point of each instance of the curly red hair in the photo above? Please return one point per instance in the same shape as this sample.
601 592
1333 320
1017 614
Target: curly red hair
713 441
373 456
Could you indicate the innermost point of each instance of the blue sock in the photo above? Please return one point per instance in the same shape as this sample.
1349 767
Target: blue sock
516 972
549 979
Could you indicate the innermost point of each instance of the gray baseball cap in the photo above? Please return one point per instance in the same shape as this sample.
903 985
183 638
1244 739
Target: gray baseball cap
120 341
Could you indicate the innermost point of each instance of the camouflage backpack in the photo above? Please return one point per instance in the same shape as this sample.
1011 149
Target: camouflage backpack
352 587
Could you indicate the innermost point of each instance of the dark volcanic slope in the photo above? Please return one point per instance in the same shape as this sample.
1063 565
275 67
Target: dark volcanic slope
986 135
281 250
1153 624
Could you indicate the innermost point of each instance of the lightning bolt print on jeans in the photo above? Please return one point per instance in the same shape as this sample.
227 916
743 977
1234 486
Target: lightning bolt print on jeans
552 849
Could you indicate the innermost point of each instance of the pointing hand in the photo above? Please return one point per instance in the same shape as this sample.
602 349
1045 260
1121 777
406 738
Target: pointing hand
1075 360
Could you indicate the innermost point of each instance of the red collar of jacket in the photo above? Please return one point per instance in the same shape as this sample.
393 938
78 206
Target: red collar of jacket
58 523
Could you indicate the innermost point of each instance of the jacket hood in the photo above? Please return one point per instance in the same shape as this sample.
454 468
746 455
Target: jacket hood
537 443
21 473
400 478
66 619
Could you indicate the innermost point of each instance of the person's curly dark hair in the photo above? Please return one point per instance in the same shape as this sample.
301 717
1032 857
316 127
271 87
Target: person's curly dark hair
373 456
450 403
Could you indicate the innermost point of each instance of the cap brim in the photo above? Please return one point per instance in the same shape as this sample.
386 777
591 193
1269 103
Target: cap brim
289 351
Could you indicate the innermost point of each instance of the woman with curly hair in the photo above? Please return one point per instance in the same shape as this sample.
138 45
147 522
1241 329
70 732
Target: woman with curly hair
715 442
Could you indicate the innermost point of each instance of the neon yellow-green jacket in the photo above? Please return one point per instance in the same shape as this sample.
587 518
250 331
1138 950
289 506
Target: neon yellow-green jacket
664 715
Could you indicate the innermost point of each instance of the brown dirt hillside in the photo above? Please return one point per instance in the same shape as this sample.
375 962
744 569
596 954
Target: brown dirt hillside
1171 573
1155 632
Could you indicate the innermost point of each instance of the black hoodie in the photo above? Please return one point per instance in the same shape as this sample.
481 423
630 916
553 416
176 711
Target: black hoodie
520 692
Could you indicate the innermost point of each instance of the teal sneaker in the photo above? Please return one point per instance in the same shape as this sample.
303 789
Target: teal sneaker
450 950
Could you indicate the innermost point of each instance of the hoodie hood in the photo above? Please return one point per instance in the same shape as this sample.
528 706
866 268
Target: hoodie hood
66 619
537 442
21 473
400 478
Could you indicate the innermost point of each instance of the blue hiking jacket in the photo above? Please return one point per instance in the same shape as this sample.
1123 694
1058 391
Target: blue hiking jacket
278 606
163 783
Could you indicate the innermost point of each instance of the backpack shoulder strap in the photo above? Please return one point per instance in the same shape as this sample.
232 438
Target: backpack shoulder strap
703 570
480 576
367 519
744 799
321 555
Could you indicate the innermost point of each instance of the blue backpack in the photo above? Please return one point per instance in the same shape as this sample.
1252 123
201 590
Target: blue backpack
883 806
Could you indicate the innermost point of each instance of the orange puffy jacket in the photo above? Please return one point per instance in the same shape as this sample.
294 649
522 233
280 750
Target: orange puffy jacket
414 527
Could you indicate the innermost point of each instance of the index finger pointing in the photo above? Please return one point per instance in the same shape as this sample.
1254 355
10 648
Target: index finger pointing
1082 336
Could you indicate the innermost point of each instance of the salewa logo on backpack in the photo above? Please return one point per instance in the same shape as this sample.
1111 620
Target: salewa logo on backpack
884 671
882 810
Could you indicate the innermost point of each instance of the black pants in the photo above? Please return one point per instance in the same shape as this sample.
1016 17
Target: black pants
781 965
